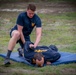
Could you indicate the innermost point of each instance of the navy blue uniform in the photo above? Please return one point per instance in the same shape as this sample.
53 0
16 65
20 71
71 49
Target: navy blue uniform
50 53
28 25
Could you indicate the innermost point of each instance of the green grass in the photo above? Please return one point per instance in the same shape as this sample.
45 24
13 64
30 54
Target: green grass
58 29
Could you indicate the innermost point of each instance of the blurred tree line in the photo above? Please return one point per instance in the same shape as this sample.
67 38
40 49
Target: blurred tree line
32 0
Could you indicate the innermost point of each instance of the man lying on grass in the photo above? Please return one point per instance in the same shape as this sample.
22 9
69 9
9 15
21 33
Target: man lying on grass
40 55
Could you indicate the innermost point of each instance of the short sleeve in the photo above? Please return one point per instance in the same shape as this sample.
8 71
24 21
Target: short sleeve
20 20
38 22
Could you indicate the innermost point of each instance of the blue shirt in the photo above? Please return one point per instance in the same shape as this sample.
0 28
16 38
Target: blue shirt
27 23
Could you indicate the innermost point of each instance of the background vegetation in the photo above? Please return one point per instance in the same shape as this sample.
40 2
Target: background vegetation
35 0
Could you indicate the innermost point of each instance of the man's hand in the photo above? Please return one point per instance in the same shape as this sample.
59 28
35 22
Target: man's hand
32 46
48 63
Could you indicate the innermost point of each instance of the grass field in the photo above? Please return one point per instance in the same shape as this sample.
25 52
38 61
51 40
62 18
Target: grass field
59 28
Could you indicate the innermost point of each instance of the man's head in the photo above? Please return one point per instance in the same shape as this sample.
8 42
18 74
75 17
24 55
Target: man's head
31 8
39 59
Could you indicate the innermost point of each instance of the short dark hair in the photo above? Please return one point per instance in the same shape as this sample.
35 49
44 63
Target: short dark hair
31 7
38 56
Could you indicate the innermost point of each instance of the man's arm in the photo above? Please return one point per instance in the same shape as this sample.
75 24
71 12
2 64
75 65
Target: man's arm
38 36
21 33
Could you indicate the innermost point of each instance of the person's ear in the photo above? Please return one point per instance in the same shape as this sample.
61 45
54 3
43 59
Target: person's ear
34 61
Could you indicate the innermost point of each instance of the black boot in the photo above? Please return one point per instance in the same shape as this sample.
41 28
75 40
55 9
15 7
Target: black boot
7 62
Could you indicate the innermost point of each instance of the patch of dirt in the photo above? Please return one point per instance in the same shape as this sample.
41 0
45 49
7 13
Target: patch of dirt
48 7
69 71
17 71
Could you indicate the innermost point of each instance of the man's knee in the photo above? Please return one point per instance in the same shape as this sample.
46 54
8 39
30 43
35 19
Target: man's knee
16 33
